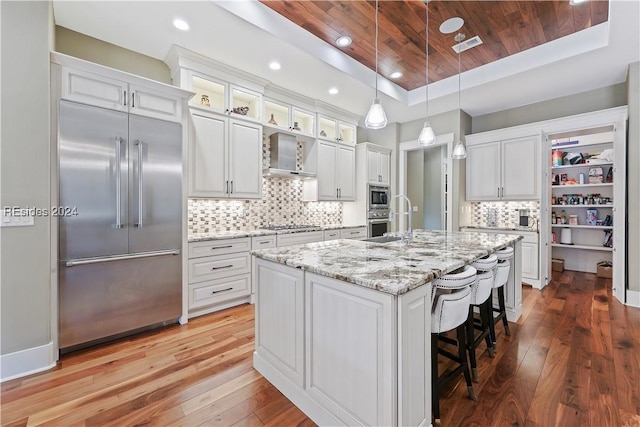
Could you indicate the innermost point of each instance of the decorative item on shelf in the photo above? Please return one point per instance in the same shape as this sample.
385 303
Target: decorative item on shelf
595 175
556 157
563 179
608 239
573 159
563 217
295 126
573 219
240 110
272 120
610 175
459 150
581 181
565 236
592 216
323 133
604 269
607 221
204 100
556 179
376 117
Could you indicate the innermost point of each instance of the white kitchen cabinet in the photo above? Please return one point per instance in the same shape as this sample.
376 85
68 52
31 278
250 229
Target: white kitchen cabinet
503 170
336 130
378 164
530 252
355 233
335 176
219 274
299 238
226 98
281 116
121 95
225 157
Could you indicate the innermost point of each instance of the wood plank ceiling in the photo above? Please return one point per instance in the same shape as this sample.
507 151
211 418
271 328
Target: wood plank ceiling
505 27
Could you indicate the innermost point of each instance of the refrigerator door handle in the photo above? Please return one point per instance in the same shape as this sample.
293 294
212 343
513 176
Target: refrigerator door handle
140 145
84 261
118 182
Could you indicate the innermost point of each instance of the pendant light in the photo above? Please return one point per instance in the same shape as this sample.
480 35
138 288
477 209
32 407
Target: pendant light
376 118
427 136
459 152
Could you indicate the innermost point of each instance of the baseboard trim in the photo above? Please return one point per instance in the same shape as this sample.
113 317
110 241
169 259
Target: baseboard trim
633 298
26 362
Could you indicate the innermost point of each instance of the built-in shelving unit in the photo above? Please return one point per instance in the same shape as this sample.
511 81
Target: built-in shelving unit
583 247
593 227
582 165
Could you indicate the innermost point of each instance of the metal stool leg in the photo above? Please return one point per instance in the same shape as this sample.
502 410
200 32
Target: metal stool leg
435 384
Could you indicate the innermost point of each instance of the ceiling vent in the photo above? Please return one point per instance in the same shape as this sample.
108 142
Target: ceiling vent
467 44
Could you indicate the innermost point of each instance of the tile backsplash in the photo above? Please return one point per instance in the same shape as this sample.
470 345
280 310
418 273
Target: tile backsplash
281 204
505 214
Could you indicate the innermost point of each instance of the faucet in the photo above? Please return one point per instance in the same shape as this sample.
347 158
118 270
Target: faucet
409 233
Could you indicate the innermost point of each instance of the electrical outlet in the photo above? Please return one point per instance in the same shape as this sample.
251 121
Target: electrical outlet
415 208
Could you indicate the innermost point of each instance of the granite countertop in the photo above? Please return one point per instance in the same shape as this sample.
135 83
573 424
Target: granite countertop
394 267
504 227
256 232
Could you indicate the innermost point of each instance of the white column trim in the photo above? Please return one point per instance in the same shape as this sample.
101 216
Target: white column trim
26 362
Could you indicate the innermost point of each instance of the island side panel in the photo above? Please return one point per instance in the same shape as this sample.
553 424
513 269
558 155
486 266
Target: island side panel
280 318
513 288
351 350
414 355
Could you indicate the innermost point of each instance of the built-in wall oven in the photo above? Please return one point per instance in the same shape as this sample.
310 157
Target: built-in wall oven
377 210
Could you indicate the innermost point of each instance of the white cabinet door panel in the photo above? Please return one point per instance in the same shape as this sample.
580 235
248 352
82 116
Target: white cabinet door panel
207 156
245 160
520 169
345 161
373 172
483 172
327 185
149 103
385 161
93 89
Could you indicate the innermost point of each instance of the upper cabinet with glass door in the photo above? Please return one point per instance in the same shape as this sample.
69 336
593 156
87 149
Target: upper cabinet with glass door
225 98
336 130
280 116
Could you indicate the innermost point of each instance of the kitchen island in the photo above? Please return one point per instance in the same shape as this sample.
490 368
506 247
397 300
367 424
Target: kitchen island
343 327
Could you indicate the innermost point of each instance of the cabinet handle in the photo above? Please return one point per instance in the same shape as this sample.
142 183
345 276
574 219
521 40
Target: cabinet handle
354 232
498 191
502 192
231 187
221 290
221 247
264 242
337 194
340 193
219 268
133 100
227 187
125 98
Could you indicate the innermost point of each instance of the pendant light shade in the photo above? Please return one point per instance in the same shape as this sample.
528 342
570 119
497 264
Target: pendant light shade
376 117
427 136
459 151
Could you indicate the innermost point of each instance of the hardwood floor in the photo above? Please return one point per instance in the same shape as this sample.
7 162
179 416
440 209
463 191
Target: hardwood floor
573 359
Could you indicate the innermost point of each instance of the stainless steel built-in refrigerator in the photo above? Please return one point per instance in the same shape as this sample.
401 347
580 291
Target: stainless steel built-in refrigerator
120 238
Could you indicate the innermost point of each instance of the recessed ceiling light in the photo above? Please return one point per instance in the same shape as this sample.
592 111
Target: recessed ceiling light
180 24
333 91
395 75
575 2
274 65
451 25
343 41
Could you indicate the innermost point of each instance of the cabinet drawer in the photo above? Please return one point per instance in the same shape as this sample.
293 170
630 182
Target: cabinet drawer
219 247
353 233
218 291
299 238
263 242
216 267
332 234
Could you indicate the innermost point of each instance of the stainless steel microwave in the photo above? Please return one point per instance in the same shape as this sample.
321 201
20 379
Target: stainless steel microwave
378 197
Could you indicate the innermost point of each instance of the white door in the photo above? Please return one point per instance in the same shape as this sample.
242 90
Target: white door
544 223
346 161
245 160
483 172
619 212
520 170
207 156
327 184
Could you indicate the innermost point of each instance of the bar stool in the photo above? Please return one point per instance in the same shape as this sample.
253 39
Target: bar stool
481 298
503 269
450 312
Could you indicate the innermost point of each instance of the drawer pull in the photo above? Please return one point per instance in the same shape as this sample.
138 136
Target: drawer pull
355 232
221 247
264 242
221 290
224 266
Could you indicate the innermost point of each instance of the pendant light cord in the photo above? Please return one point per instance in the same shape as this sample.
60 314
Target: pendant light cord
426 73
461 36
376 44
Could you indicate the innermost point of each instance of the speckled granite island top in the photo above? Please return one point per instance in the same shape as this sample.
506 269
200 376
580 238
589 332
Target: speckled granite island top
394 267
